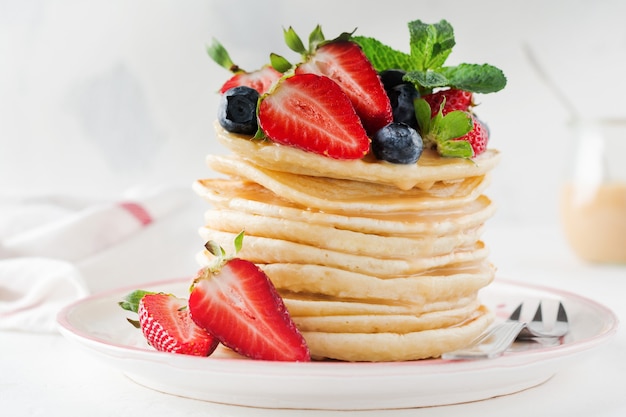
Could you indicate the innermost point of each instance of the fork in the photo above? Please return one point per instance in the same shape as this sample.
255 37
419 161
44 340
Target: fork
498 339
537 328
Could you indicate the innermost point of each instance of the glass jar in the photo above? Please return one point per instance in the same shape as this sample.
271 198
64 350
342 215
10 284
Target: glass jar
593 199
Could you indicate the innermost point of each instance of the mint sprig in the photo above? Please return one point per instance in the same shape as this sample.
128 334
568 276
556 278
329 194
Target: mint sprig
430 46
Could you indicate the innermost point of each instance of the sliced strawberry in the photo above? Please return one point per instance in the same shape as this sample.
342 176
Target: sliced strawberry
455 100
167 326
261 80
345 63
235 301
312 112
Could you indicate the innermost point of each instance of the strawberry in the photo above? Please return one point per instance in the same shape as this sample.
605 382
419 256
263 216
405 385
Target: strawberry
477 137
454 100
166 324
261 80
457 133
312 112
236 302
345 63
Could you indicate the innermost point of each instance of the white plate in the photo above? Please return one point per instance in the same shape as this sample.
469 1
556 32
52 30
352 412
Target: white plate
100 326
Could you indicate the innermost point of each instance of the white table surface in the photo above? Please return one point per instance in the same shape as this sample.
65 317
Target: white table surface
46 375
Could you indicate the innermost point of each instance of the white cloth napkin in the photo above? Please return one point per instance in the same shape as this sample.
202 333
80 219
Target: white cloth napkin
43 239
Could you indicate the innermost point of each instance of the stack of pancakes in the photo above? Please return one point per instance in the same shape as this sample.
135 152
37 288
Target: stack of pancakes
374 261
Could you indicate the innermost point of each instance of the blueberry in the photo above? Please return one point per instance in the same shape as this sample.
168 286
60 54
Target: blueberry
397 143
236 111
402 97
391 77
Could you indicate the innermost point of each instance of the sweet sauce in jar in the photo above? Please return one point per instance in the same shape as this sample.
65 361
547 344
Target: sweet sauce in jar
593 200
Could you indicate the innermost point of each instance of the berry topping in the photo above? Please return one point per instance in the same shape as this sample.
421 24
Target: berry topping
236 302
397 143
313 113
236 111
392 77
478 137
402 97
166 324
261 80
452 99
346 64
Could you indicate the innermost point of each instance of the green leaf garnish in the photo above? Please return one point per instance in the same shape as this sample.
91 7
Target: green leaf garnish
429 47
477 78
430 44
219 54
293 41
131 301
382 56
441 132
280 63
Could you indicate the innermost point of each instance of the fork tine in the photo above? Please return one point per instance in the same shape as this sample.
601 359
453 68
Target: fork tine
538 314
515 315
561 315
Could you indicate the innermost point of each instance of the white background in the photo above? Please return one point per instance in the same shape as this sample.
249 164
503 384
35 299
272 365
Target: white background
98 97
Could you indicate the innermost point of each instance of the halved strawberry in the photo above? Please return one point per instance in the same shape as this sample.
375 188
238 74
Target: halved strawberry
236 302
166 324
454 100
313 113
345 63
261 80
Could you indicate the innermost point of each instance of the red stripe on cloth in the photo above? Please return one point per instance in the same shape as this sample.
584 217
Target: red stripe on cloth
138 212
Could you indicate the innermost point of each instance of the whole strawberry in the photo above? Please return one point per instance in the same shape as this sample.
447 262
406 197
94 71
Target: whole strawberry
452 99
236 302
478 137
166 324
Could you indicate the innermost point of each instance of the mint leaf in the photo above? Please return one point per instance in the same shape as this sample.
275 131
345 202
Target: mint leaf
474 77
425 81
430 43
381 56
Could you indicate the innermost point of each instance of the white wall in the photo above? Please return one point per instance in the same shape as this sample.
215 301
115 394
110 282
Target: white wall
96 97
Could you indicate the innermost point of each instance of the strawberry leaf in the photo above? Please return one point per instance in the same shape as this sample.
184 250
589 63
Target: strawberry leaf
455 148
316 37
238 242
451 126
219 54
293 41
441 131
279 63
131 301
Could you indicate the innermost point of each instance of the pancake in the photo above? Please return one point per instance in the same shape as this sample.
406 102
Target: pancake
252 198
390 346
429 169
